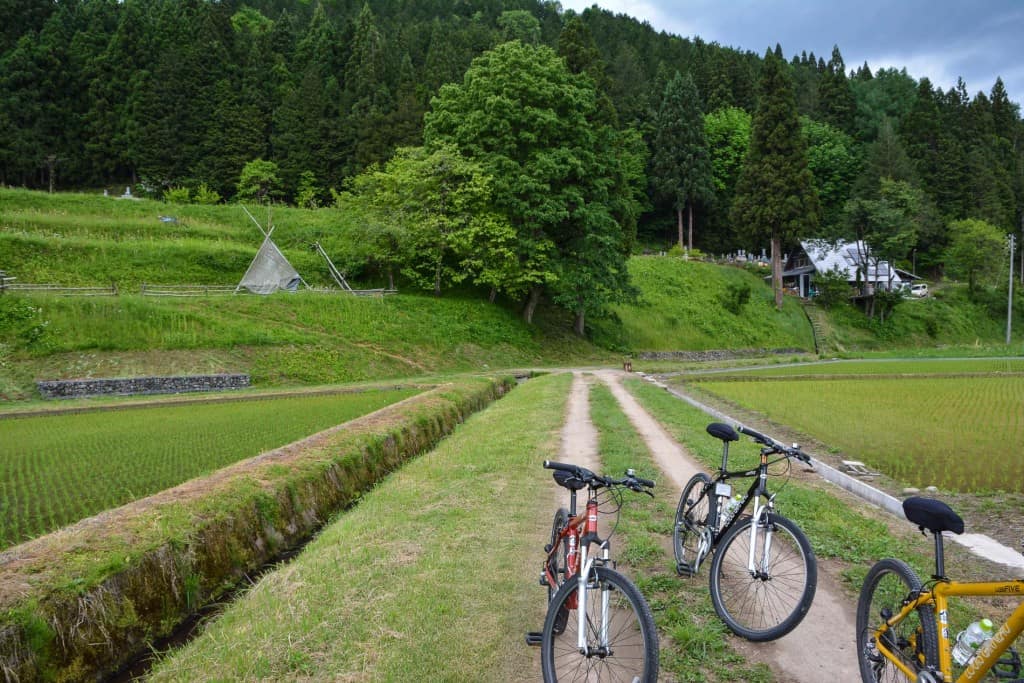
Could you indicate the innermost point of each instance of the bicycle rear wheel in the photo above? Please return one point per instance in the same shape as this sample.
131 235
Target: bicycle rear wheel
628 653
556 562
691 524
768 602
914 640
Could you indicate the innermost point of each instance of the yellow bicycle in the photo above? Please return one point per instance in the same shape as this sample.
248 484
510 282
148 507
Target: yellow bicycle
903 632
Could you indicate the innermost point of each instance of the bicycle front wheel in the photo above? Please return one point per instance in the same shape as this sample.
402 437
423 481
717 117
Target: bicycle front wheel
914 640
691 527
768 600
621 640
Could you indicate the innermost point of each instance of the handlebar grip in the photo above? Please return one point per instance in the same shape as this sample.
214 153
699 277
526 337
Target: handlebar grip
756 435
552 465
645 482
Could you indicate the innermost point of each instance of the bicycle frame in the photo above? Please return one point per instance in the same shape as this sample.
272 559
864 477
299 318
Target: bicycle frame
581 532
937 600
758 489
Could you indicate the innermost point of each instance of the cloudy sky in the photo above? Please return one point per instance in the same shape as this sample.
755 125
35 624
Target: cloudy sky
977 40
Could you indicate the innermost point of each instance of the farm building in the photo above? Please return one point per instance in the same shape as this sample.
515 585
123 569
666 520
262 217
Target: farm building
849 258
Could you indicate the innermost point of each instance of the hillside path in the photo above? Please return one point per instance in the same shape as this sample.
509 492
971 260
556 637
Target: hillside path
827 630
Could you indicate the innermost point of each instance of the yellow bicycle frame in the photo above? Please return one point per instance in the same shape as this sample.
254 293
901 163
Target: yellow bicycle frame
937 600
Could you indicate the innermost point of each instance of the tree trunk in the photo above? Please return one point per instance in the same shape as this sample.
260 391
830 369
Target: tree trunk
493 295
578 323
689 217
531 303
679 222
391 278
437 279
777 270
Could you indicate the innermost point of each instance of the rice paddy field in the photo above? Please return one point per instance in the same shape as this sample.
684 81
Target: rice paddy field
58 469
957 425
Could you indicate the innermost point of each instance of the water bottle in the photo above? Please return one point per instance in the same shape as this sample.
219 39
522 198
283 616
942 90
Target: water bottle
970 639
731 506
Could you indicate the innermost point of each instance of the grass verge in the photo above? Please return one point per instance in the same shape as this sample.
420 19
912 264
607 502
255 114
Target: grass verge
431 577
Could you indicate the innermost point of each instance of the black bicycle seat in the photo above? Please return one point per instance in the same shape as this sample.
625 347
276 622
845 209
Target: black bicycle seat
933 515
568 479
723 432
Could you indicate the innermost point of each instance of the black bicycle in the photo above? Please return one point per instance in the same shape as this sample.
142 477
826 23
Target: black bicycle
763 571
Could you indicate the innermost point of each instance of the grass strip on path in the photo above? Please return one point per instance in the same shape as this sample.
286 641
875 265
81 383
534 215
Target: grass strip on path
431 577
693 643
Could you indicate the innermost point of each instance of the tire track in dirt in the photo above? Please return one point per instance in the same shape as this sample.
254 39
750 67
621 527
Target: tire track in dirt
827 630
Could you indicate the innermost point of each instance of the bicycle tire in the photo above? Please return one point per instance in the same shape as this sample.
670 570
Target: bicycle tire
556 563
632 654
915 639
692 515
763 608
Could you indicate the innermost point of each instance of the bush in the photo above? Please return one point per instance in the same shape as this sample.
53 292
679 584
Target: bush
204 195
177 195
832 288
735 296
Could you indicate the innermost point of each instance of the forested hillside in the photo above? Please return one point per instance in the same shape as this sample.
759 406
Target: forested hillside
291 101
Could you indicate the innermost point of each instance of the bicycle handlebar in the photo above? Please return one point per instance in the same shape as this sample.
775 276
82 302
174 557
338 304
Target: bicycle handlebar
789 451
630 481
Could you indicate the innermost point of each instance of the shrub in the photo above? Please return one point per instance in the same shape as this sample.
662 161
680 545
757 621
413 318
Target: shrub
177 195
205 195
735 296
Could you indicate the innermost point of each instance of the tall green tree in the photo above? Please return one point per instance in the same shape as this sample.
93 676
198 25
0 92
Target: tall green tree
775 197
680 163
835 97
528 121
833 159
728 134
443 202
367 93
974 247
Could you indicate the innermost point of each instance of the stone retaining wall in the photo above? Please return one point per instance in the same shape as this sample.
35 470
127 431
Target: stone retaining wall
81 388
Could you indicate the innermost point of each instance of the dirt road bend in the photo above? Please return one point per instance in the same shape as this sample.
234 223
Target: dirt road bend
828 629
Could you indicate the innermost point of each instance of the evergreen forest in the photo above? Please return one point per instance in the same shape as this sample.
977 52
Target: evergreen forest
506 144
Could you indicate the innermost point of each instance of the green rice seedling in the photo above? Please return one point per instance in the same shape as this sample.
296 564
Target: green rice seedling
57 469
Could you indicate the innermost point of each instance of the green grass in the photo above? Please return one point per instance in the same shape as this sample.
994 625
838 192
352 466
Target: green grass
685 305
887 366
58 469
432 577
962 434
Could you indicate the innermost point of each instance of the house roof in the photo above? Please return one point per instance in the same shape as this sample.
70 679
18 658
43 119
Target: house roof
846 256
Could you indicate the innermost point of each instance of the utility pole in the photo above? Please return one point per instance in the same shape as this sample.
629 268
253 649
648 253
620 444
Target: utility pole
1009 303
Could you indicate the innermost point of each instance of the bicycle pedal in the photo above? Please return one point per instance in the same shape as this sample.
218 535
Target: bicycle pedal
534 638
684 569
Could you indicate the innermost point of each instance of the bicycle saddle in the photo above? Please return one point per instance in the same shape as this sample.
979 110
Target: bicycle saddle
933 515
723 432
568 479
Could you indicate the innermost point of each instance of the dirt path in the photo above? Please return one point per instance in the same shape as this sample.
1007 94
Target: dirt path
828 628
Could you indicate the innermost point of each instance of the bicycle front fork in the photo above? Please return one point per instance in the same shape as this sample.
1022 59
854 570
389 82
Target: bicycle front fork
759 564
587 577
